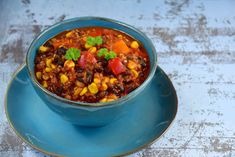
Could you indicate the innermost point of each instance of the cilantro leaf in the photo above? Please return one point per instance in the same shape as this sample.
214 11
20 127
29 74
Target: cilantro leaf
107 54
72 54
90 40
98 40
94 40
110 55
102 51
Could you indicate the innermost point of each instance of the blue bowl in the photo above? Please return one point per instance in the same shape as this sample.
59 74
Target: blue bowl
82 113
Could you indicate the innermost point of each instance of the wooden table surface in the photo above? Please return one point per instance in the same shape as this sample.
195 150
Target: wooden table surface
195 41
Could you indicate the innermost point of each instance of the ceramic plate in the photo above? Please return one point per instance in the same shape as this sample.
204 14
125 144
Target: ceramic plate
45 131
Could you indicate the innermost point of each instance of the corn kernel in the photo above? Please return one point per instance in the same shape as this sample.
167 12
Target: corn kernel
43 48
77 90
80 84
93 88
68 34
106 79
53 66
87 46
103 100
134 45
69 64
45 76
84 90
48 62
136 74
97 81
112 96
108 100
44 84
119 36
63 78
131 64
38 75
112 80
104 86
92 49
48 69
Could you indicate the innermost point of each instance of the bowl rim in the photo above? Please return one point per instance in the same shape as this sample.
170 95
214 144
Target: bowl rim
97 104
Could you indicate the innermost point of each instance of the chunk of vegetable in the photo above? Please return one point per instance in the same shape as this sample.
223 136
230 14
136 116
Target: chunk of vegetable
63 78
84 90
104 86
120 47
48 69
97 81
92 49
43 49
116 66
85 58
68 34
48 62
69 64
39 75
93 88
113 80
136 74
134 45
131 64
44 84
77 90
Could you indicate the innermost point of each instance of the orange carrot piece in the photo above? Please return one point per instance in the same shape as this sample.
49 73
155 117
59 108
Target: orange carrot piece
120 47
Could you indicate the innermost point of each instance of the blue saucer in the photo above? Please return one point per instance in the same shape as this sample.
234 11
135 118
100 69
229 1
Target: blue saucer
45 131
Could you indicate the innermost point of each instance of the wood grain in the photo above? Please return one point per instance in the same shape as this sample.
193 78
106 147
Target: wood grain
195 41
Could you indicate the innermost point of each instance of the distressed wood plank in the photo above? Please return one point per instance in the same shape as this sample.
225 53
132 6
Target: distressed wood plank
195 41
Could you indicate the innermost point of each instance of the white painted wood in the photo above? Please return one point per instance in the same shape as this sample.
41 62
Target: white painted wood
195 40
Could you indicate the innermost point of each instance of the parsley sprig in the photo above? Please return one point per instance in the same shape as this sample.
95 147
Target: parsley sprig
94 40
72 54
107 54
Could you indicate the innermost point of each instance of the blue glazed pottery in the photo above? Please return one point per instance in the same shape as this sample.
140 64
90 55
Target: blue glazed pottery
150 116
89 114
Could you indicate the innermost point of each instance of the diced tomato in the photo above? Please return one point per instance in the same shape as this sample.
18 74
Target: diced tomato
86 58
116 66
97 32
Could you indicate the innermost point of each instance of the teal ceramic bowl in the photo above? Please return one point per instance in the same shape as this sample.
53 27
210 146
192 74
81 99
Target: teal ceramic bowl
81 113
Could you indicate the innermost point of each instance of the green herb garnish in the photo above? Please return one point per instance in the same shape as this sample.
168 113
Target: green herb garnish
107 54
94 40
110 55
102 51
72 54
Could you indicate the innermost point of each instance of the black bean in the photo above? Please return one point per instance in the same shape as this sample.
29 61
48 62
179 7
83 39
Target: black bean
141 74
120 87
142 62
80 79
57 60
48 44
103 61
99 69
107 71
130 87
58 90
89 77
101 94
79 69
61 51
